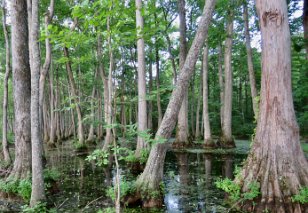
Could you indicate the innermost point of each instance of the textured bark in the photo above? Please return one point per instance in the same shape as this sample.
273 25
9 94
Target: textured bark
142 103
276 160
226 139
252 80
38 187
192 107
152 175
46 66
182 128
21 89
208 142
74 96
5 148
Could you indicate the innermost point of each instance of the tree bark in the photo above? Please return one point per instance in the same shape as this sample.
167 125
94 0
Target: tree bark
52 134
252 80
182 129
91 130
152 175
142 103
276 160
226 139
46 66
74 94
5 148
108 83
221 85
21 89
38 187
208 142
150 104
198 135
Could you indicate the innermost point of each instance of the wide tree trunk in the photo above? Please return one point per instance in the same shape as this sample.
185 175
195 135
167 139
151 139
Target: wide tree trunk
150 179
38 186
252 80
226 139
208 142
182 128
142 103
276 160
74 96
5 148
21 89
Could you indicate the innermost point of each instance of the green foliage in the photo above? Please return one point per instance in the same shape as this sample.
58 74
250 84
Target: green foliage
234 190
79 146
99 156
302 196
126 188
19 187
51 175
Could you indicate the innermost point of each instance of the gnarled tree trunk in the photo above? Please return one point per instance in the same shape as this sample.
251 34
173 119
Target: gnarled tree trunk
276 160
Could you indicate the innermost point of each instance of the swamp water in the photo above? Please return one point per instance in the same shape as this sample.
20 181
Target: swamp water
189 180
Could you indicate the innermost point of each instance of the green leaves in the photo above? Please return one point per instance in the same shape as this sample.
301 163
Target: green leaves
99 156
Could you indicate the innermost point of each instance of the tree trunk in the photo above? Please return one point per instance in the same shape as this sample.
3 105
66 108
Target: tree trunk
192 107
142 103
52 134
159 110
22 89
276 160
208 142
150 105
198 135
5 147
108 85
226 139
46 66
252 80
38 187
182 129
75 98
221 85
152 175
91 130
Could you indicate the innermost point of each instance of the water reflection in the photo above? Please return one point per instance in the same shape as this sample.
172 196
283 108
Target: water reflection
189 181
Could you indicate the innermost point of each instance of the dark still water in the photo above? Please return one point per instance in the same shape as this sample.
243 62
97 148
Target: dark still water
188 181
